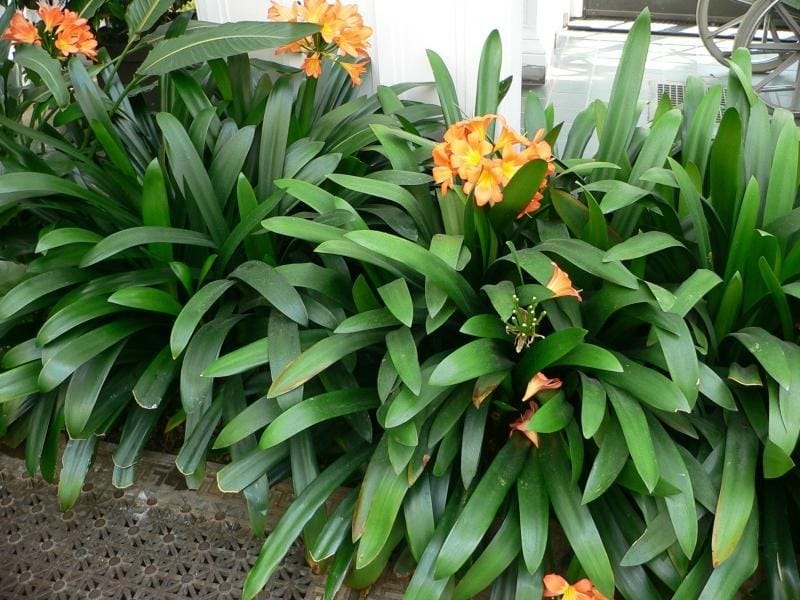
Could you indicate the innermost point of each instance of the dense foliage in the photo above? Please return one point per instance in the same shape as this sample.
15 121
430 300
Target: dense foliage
583 365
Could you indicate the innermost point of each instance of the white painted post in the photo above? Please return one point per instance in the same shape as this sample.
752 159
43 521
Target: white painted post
403 31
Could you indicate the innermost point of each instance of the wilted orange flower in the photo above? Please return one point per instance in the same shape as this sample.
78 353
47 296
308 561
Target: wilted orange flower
51 15
521 425
483 167
342 32
538 383
21 31
555 585
74 36
561 285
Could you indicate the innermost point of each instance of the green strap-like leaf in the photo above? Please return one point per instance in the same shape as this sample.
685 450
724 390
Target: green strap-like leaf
274 288
476 358
422 261
153 384
318 409
250 356
141 15
640 245
768 351
496 557
77 351
637 435
737 493
146 298
201 352
575 519
19 382
37 60
64 236
476 517
84 389
221 41
319 357
446 89
137 236
297 515
487 95
30 290
622 111
192 313
187 167
259 414
534 513
74 466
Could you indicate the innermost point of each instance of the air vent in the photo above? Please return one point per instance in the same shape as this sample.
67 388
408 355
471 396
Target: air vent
675 91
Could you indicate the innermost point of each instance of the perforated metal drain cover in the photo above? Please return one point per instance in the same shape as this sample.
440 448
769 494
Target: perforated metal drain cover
155 540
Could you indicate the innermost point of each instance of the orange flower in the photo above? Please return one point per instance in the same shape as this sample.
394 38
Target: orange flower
538 383
51 15
521 425
487 184
555 585
443 171
279 12
312 65
483 167
534 205
73 36
561 285
355 70
313 11
342 32
21 31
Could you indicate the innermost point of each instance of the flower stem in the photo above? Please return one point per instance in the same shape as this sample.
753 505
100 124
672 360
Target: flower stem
307 106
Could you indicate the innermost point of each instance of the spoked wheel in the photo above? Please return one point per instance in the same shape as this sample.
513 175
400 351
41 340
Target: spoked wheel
719 39
771 31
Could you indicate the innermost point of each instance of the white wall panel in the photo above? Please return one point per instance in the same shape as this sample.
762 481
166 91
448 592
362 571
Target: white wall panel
404 29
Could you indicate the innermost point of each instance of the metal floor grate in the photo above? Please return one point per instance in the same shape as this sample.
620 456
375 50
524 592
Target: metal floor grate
132 544
675 92
152 541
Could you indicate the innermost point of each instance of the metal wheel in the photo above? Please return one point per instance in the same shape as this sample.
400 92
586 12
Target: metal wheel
771 31
719 39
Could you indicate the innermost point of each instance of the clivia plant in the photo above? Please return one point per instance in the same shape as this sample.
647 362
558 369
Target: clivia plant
525 370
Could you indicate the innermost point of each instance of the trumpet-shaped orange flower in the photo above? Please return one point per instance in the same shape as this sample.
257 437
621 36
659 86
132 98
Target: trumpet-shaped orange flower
521 425
312 65
354 70
62 32
487 185
555 585
21 31
484 166
281 12
561 285
51 15
342 32
538 383
73 36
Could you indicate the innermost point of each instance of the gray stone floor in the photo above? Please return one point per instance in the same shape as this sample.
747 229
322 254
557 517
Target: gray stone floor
585 64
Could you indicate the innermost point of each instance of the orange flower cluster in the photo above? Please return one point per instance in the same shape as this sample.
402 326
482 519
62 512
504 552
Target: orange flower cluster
538 383
342 33
60 31
485 167
555 585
